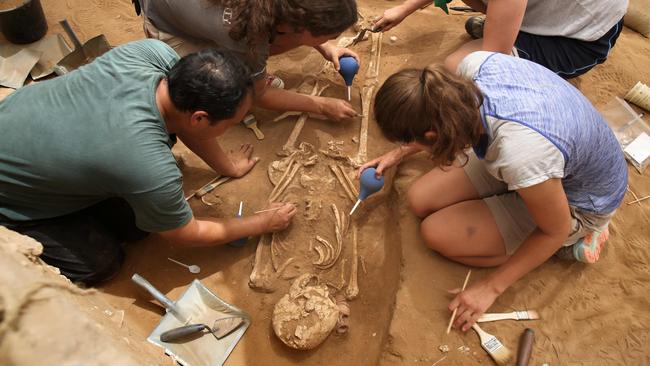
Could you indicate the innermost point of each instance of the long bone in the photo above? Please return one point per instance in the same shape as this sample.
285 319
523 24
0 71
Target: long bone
285 184
342 181
353 286
352 187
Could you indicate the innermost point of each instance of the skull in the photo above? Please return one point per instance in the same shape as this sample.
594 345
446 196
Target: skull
305 316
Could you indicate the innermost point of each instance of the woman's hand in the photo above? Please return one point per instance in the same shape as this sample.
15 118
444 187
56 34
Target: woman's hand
391 18
383 162
472 303
333 53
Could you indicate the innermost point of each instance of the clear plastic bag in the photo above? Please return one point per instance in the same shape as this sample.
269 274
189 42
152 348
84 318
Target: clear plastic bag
628 126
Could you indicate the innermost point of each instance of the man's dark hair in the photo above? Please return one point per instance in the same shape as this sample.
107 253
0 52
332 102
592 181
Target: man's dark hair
209 80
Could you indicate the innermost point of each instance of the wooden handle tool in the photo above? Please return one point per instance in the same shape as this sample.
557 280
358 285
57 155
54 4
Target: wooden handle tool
525 347
453 315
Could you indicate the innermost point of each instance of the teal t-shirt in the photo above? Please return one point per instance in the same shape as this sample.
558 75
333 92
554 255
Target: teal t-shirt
95 133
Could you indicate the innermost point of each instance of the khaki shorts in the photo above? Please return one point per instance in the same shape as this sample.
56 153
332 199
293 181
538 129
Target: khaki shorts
182 46
508 208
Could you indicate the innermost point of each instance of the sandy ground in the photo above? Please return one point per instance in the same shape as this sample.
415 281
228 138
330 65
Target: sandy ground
591 315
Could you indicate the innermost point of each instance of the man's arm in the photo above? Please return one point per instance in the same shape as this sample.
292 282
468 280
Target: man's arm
209 232
502 22
548 206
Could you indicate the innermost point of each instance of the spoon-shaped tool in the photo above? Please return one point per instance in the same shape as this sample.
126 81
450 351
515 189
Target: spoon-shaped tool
349 68
193 268
239 242
369 184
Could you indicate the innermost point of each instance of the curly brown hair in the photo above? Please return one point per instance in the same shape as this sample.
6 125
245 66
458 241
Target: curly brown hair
256 20
415 101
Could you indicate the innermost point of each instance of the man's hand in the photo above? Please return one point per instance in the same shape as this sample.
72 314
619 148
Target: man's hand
278 219
242 160
472 303
335 109
391 18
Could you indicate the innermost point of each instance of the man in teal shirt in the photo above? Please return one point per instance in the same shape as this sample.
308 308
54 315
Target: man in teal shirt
86 161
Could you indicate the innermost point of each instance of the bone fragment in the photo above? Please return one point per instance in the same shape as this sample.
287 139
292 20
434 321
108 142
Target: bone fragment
329 258
363 265
285 184
353 287
284 175
286 115
362 154
342 181
262 276
321 255
352 187
300 123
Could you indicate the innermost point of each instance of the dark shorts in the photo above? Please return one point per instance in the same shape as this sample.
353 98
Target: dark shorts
567 57
86 245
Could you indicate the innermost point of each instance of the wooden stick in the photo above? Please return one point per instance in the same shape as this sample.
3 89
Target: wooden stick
639 200
453 315
268 209
205 185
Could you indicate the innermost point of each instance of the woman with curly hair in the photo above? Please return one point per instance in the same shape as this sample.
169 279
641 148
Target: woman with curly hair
255 30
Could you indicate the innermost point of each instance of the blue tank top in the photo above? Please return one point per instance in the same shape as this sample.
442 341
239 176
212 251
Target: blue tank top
517 90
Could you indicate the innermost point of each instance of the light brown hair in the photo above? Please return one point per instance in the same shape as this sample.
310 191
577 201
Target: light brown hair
256 20
414 101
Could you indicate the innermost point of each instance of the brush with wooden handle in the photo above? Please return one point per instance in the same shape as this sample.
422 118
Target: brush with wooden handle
515 315
499 353
251 123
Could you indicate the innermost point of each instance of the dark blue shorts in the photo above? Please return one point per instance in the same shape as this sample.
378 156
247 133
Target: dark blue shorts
86 245
567 57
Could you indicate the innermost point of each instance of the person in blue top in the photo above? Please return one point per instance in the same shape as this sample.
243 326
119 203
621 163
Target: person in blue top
86 161
527 167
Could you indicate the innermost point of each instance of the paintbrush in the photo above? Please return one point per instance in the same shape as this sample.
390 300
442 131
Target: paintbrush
515 315
453 315
499 353
251 123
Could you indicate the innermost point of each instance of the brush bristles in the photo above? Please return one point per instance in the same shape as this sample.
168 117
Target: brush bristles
533 314
502 356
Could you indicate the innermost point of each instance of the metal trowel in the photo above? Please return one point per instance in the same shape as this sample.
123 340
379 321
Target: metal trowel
220 328
83 53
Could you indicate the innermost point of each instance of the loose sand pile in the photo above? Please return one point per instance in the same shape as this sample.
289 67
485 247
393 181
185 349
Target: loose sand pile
592 315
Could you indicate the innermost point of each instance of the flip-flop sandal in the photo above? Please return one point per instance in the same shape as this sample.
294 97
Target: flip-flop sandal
587 249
